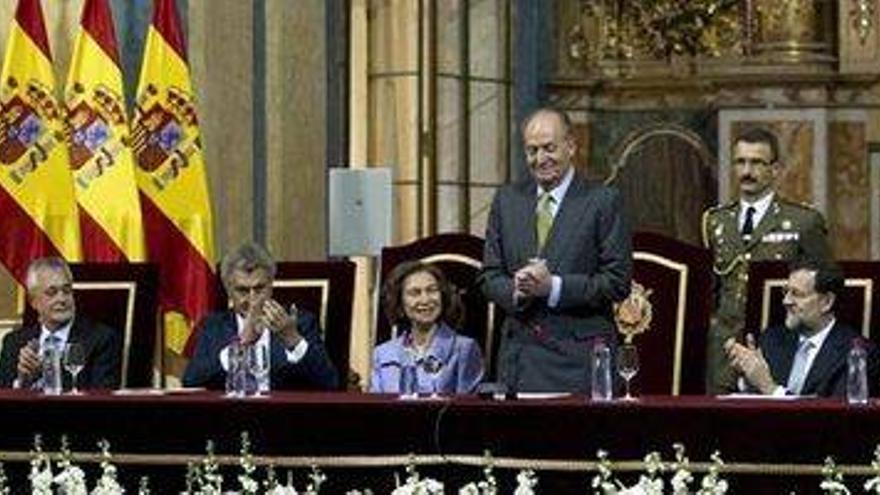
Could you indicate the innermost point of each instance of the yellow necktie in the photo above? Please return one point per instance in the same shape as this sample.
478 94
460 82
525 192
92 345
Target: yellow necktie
544 218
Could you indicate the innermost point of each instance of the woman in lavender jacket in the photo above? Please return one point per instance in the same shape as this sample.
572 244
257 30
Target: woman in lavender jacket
426 309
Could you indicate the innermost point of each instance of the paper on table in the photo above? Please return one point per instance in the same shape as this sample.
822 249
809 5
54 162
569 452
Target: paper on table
139 391
764 397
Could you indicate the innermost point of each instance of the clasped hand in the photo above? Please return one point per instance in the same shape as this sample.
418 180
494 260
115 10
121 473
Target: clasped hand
749 361
269 314
532 280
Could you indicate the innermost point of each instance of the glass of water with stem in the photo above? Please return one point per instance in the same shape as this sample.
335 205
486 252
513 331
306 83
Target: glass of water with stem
627 365
74 361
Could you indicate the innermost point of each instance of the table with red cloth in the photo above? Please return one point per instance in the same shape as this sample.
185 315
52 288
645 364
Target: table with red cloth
350 424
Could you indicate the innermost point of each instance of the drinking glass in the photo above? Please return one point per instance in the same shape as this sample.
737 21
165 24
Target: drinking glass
258 362
74 361
627 365
433 367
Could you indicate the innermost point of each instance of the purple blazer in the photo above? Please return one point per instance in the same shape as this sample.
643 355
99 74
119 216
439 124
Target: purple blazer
460 357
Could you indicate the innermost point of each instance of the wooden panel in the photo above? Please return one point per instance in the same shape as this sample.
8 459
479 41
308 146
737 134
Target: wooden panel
296 130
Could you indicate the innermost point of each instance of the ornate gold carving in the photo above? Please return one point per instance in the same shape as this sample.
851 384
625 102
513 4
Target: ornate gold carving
862 17
796 29
633 315
659 29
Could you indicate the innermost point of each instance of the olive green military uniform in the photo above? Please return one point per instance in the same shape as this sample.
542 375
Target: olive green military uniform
787 231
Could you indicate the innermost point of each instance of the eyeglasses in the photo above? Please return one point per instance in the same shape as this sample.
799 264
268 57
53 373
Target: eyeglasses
246 290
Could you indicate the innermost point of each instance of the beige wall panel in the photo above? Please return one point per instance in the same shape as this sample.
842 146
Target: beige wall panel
481 202
393 34
449 34
449 205
449 121
220 54
488 146
488 52
393 131
849 190
406 213
296 130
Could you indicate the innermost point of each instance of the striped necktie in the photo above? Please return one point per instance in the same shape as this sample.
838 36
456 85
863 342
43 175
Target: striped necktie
544 218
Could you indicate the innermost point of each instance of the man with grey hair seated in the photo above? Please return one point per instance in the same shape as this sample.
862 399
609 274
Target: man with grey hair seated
50 293
292 342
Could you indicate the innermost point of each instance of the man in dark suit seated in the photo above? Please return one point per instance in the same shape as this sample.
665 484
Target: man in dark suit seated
50 292
297 358
808 355
557 256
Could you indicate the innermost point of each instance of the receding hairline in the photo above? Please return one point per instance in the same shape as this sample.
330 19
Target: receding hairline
43 265
560 115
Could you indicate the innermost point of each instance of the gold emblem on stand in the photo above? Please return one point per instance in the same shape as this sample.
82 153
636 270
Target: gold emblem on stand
633 314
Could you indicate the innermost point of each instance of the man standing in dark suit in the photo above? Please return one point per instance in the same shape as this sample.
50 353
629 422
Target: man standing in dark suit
292 341
808 355
557 256
50 292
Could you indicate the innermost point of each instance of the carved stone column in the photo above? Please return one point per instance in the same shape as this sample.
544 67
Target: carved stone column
794 30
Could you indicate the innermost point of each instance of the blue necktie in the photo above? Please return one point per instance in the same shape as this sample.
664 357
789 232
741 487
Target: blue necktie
799 368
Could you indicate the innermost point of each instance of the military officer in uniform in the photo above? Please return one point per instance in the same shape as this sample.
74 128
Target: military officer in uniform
758 226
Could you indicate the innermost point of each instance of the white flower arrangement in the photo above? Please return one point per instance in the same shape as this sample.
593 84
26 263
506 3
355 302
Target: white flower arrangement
681 477
832 482
712 483
248 484
41 469
872 485
526 481
144 486
316 479
208 479
107 483
71 480
415 484
4 483
488 485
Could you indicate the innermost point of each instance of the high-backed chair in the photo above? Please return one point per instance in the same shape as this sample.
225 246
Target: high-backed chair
460 256
858 306
673 349
326 289
124 297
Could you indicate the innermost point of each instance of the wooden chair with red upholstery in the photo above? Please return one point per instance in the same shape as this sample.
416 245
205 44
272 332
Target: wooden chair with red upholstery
676 277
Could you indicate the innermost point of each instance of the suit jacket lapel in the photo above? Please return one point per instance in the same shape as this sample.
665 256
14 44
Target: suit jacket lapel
784 358
831 354
524 209
441 343
572 207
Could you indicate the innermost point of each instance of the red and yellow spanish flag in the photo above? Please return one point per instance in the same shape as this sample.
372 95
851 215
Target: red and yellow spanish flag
98 143
173 184
38 213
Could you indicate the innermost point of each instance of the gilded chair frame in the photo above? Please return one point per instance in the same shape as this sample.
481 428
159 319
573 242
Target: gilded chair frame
681 305
131 289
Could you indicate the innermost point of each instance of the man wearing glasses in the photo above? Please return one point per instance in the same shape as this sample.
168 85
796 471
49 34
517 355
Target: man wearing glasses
758 226
289 341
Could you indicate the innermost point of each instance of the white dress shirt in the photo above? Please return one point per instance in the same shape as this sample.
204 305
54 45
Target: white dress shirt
294 355
558 194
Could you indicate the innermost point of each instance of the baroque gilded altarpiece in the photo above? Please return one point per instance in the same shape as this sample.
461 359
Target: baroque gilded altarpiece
658 89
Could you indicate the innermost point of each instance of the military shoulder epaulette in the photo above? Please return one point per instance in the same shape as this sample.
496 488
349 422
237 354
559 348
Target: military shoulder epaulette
797 204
